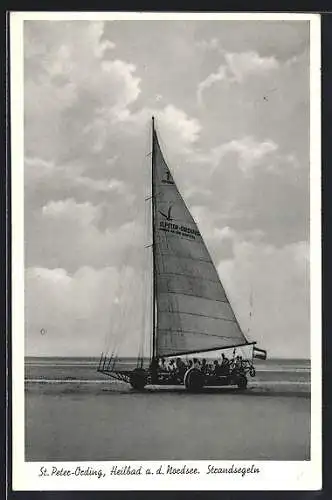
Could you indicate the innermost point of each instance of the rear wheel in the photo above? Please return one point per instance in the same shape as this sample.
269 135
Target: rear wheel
138 379
242 382
194 380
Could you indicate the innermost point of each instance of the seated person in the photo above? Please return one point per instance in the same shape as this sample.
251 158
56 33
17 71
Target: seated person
204 367
237 363
181 367
162 365
171 365
241 362
216 368
210 368
225 364
196 363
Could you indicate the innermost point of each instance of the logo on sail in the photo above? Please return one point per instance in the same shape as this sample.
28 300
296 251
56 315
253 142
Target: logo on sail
170 227
168 179
168 216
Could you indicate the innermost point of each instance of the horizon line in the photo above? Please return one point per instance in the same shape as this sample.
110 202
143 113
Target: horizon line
135 357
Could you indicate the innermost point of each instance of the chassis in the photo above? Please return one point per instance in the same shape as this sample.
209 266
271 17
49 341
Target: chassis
193 379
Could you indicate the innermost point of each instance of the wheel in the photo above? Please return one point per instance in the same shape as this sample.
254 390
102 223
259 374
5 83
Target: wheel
252 372
242 382
138 379
194 380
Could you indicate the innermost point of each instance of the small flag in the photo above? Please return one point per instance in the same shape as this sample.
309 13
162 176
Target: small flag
260 353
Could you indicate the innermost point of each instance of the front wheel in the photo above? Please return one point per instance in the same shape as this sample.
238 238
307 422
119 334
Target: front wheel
138 379
194 380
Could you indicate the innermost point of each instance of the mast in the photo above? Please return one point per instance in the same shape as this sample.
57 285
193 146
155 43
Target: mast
154 347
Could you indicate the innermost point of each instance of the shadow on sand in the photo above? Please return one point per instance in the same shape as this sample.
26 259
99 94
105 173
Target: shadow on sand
117 388
221 391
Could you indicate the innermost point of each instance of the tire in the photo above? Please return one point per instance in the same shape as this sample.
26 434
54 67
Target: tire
242 382
194 380
138 379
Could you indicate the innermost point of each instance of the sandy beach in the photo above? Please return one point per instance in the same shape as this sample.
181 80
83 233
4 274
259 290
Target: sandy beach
91 418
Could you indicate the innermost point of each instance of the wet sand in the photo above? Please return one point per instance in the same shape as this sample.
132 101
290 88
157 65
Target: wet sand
75 421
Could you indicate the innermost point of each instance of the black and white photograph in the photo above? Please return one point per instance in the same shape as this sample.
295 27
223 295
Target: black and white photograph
168 243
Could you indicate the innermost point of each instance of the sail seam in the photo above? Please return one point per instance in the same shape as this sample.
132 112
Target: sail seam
197 333
198 314
196 296
184 257
189 276
170 236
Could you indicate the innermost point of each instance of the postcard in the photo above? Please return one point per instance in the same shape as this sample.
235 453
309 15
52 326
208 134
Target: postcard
166 272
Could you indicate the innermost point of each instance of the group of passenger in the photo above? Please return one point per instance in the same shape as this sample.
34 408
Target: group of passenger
178 366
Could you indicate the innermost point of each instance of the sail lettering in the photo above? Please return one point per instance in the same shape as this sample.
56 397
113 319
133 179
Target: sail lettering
189 230
180 230
168 225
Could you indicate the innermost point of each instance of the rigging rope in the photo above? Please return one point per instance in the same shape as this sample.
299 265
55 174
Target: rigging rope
130 307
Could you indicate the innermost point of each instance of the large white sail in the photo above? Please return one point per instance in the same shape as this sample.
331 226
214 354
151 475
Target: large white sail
193 313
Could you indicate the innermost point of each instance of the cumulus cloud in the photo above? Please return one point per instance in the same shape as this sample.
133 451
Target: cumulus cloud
236 68
241 65
82 313
218 76
121 75
241 164
47 174
187 128
83 214
178 130
36 170
218 236
71 73
278 281
250 185
83 234
250 151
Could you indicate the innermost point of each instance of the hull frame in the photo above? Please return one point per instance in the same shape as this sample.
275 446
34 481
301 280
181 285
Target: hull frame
192 378
166 379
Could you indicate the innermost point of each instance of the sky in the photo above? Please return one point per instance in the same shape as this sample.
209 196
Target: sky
231 101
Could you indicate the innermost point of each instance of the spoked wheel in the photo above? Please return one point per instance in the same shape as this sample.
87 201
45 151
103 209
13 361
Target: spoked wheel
138 379
194 380
242 382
